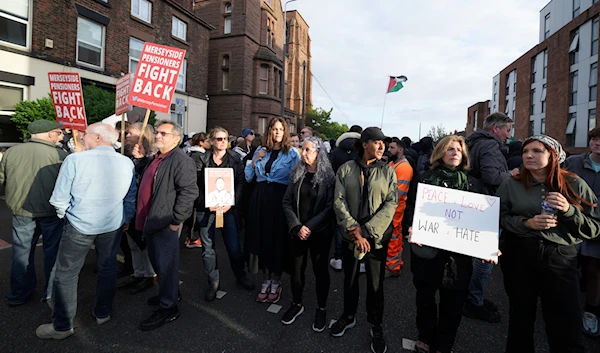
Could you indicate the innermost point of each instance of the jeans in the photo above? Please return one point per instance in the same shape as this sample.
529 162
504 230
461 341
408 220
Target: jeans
142 267
26 232
163 250
318 243
481 273
74 247
232 245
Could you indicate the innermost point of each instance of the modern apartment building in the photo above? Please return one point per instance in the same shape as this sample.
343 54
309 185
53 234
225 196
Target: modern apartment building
476 114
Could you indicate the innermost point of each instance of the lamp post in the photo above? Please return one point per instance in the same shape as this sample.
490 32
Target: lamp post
285 45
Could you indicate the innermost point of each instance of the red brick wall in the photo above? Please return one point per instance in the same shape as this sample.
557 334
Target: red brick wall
482 113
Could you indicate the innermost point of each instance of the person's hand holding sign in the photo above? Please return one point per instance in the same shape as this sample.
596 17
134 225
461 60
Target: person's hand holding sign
410 237
138 151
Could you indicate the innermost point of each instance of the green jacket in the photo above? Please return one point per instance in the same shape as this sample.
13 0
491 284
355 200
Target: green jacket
29 171
382 199
518 204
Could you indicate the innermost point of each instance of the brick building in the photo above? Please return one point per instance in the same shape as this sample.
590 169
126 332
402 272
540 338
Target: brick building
552 89
101 40
476 115
245 63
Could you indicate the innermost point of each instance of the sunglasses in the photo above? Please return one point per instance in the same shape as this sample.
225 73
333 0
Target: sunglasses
221 139
163 133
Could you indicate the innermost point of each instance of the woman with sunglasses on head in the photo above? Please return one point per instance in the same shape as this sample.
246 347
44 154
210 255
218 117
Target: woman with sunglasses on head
544 212
266 229
308 208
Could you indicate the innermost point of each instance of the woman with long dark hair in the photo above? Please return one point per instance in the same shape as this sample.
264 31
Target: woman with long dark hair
544 212
308 208
271 165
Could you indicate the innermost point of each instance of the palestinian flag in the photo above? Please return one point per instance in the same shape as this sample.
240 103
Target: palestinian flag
396 83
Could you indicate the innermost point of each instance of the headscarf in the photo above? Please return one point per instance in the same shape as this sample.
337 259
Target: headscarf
554 145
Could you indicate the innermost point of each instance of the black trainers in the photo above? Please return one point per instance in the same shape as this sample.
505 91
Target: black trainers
490 306
377 343
320 320
293 312
155 300
339 327
480 313
159 318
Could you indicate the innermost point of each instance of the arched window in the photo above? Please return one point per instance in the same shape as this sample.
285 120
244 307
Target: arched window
228 8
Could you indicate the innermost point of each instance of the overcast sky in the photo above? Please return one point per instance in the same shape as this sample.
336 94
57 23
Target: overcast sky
449 49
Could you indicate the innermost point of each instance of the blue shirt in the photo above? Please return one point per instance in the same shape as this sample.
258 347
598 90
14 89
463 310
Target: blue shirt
95 190
280 170
595 165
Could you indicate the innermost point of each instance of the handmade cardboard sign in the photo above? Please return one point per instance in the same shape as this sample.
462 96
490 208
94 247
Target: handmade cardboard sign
65 89
219 187
122 105
458 221
156 77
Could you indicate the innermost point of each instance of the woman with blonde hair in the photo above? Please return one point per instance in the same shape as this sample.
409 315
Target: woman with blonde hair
436 269
271 166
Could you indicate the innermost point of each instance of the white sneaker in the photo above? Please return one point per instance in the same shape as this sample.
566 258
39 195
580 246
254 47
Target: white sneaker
362 267
590 325
101 321
47 331
336 264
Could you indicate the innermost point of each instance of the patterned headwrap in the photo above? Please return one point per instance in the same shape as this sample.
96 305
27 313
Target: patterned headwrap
550 142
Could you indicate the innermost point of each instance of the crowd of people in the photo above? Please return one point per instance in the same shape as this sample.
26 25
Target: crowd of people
291 197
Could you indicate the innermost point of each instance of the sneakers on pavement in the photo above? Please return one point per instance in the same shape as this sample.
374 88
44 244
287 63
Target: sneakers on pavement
275 293
211 292
489 305
389 273
336 264
341 325
47 331
190 244
291 314
480 313
101 321
246 283
320 320
377 342
143 285
160 317
265 289
590 325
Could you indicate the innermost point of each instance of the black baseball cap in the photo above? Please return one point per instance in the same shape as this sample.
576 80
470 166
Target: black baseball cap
374 133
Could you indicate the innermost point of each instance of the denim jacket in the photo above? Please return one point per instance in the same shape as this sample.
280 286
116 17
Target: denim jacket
280 170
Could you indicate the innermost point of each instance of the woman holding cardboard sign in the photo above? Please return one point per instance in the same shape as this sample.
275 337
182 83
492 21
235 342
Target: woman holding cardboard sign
544 212
435 269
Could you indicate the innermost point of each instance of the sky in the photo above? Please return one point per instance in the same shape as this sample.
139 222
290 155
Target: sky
449 50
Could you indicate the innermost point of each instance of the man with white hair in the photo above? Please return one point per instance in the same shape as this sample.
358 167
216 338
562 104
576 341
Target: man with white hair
95 191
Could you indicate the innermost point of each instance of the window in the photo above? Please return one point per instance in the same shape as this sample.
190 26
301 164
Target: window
545 64
227 25
533 70
135 52
515 86
574 81
475 118
571 129
227 8
543 99
262 125
268 41
225 72
507 91
593 81
574 48
543 131
576 7
531 127
180 86
591 119
142 9
90 43
277 82
10 95
547 26
177 117
532 107
179 28
14 22
506 107
263 83
595 36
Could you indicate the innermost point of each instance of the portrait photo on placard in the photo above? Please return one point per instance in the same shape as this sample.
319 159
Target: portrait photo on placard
218 187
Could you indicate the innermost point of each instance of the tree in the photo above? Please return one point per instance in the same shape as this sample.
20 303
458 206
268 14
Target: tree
99 103
28 111
320 121
437 132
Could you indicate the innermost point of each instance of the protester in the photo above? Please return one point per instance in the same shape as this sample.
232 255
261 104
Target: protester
199 143
490 168
71 143
306 131
514 160
404 174
95 192
410 154
165 200
28 172
220 157
308 208
244 147
144 276
587 167
343 153
426 147
232 141
295 141
435 270
125 269
365 200
544 212
266 229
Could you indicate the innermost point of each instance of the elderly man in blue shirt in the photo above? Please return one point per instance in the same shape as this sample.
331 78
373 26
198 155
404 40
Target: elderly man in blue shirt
95 191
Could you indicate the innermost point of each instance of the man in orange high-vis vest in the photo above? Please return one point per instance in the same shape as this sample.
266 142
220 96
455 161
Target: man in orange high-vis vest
404 174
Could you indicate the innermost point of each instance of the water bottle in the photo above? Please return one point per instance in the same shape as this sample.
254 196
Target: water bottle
547 210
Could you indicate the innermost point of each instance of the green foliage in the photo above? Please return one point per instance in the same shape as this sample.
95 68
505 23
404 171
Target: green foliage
28 111
99 103
437 132
320 121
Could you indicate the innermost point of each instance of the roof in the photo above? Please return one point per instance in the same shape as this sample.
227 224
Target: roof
266 54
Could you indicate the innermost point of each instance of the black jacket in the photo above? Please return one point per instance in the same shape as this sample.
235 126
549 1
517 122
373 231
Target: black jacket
323 212
343 153
488 164
173 193
204 160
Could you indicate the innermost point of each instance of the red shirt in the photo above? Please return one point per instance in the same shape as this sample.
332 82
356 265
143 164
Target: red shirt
144 195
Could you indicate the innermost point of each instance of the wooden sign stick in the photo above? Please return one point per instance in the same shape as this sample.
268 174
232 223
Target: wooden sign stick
123 133
144 126
75 133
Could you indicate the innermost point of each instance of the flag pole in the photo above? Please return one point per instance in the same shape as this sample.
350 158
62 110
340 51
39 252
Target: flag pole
383 112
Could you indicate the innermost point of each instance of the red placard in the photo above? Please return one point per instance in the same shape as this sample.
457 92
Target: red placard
122 95
156 77
65 88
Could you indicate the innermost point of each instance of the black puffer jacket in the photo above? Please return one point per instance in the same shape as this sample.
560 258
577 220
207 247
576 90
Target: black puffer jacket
488 164
345 150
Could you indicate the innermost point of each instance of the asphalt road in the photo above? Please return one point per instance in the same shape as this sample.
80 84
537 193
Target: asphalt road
235 323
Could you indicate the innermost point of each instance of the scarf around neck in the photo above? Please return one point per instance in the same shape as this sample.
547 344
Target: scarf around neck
453 178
